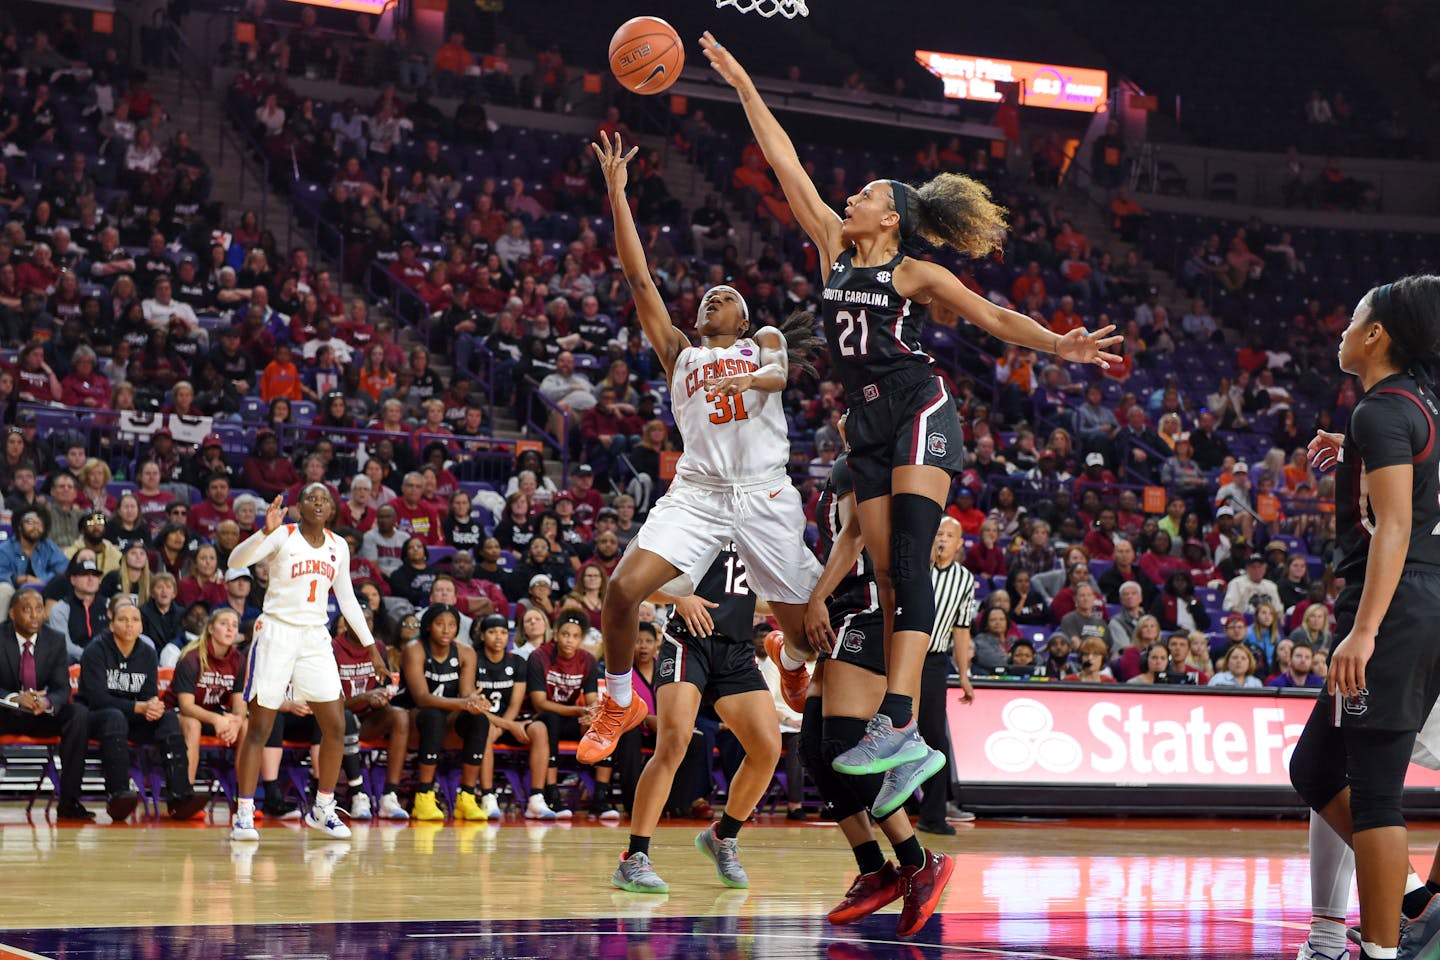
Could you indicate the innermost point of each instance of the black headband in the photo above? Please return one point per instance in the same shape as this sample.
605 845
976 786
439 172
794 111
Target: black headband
901 194
1385 310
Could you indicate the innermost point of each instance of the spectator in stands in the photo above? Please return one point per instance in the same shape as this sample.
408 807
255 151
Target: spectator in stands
204 580
64 509
1140 447
238 586
412 67
1179 647
82 386
1239 670
92 537
1300 672
81 613
1092 667
963 509
1033 554
1209 449
208 687
1198 324
162 616
118 681
987 558
1157 661
414 576
1131 660
281 378
1159 563
1087 619
1314 628
452 66
1265 635
1243 589
1124 569
1178 608
416 517
1058 662
385 544
1122 625
265 470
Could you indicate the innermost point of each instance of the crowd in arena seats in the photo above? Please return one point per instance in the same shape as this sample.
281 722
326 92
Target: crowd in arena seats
1154 523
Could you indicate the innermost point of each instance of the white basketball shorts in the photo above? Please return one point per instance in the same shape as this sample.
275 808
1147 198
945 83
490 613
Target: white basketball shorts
766 521
282 656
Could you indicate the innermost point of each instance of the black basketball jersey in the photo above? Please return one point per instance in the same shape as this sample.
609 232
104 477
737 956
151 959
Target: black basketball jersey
442 677
498 680
725 584
1393 423
869 326
857 591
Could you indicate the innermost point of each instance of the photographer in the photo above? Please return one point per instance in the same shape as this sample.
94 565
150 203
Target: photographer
1092 663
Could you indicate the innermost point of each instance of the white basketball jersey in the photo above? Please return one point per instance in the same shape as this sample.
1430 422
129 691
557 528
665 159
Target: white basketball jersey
302 576
727 439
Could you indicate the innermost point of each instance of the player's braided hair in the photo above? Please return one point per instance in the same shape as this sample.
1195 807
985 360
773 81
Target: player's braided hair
955 211
801 341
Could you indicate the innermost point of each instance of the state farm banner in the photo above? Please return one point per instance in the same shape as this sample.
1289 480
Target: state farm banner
1110 736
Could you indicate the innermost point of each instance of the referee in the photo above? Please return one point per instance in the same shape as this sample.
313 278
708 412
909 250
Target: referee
949 641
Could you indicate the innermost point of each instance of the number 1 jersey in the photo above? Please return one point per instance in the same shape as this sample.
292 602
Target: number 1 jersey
302 576
868 325
727 439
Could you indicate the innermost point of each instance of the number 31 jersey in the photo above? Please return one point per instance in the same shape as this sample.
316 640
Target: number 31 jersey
868 326
727 439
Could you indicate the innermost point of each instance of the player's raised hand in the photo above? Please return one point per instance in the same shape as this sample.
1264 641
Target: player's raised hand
614 161
1324 450
723 61
275 514
1083 346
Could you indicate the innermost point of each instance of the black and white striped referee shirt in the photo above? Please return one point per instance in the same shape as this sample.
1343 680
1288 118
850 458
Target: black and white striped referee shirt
954 604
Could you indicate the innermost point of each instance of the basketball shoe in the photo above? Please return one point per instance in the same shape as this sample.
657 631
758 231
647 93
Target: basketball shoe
923 887
390 808
466 807
425 807
326 818
793 683
726 856
637 875
599 741
869 892
491 806
900 782
538 809
1308 952
242 827
360 806
1420 938
883 747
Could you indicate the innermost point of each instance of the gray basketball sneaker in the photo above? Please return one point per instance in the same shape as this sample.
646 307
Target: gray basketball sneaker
882 748
900 782
636 874
726 855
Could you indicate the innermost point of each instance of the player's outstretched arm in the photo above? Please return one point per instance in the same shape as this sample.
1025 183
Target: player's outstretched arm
649 305
820 223
924 282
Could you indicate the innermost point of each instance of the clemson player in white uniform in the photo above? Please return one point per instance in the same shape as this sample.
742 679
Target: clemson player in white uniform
291 648
731 482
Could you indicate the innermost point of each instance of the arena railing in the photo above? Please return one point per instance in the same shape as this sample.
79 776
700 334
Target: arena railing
540 429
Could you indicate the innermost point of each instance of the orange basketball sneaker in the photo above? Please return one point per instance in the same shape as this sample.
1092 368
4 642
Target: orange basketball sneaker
599 741
793 683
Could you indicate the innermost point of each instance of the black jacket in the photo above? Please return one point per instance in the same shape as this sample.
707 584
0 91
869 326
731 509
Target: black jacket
108 679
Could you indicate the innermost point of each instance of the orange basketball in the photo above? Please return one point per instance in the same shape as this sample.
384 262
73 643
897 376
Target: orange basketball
646 55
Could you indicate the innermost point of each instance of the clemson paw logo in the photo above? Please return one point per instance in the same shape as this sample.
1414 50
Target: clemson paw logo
1029 738
883 276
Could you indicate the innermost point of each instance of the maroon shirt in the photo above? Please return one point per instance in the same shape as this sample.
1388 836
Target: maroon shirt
564 681
357 670
212 686
205 518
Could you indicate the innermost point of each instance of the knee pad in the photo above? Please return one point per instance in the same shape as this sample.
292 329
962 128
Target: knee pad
913 522
846 795
1375 764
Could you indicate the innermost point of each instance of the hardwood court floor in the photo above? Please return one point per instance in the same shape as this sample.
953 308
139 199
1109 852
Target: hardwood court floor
1072 889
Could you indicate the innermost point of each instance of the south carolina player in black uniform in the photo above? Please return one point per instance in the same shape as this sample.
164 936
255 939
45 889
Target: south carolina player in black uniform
500 678
1350 762
844 615
707 652
904 432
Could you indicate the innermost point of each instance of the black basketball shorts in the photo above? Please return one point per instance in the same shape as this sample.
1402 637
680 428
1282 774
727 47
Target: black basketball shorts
718 668
913 423
859 640
1402 679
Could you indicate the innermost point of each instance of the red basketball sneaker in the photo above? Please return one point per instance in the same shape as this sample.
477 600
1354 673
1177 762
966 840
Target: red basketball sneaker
923 886
793 683
869 892
599 741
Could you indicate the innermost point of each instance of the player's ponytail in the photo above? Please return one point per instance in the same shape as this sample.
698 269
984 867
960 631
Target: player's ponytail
951 210
1409 310
801 341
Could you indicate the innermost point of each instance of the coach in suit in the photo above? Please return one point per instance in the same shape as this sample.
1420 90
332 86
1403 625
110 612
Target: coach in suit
35 684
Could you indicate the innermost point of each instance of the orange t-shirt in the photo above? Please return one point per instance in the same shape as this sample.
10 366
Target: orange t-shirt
453 58
376 383
280 380
1062 323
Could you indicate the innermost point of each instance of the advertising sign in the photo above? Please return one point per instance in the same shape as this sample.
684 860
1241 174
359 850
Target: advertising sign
969 77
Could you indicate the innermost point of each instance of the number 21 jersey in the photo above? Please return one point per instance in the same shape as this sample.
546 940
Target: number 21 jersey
727 439
868 325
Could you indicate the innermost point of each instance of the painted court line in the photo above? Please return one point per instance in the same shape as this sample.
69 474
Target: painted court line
649 934
8 952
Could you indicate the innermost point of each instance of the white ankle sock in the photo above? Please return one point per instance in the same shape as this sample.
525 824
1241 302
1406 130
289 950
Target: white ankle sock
1327 935
1413 882
245 807
617 687
788 662
1377 952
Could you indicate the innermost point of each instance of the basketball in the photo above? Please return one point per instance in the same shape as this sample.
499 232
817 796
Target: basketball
646 55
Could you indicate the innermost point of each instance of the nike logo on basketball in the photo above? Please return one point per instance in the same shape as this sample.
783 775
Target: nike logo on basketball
777 493
659 71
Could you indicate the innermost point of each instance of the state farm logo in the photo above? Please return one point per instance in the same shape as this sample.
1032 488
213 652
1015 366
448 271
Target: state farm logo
1029 738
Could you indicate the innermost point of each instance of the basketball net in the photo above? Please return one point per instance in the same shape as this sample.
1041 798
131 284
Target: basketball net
790 9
